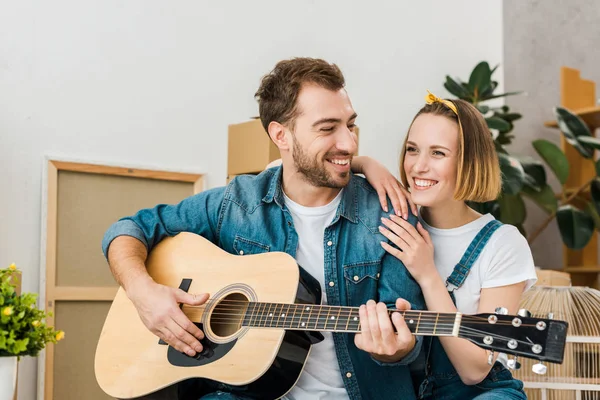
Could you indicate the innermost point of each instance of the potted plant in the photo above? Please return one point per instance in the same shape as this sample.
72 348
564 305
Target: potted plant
23 331
577 211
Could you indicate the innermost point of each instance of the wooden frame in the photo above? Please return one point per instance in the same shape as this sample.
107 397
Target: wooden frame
49 291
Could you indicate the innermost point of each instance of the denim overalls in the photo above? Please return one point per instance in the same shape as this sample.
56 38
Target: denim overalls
441 381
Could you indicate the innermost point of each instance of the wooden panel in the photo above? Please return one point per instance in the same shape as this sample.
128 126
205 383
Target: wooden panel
577 93
87 205
74 376
82 201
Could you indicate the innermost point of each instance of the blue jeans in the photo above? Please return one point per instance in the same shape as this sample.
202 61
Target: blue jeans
499 384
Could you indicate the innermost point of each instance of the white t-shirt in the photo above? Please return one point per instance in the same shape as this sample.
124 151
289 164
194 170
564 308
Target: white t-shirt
505 260
321 377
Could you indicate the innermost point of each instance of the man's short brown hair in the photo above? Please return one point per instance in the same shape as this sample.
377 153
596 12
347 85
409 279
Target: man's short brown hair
279 89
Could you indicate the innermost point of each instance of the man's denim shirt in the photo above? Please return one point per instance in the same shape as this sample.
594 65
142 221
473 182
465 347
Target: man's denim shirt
249 216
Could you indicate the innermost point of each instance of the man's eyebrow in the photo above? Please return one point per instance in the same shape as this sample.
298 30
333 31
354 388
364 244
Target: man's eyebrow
327 121
333 120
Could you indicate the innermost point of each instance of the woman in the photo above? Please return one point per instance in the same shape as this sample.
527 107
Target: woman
448 158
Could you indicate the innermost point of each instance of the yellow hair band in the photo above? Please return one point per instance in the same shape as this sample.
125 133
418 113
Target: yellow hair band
431 98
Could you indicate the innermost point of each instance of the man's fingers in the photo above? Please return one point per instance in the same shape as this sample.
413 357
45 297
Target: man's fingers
373 321
184 336
170 338
385 325
190 299
184 322
364 321
402 304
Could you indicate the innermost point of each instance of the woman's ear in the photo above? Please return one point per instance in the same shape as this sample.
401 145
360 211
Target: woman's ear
277 133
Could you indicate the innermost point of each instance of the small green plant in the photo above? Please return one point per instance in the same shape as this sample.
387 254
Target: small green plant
23 331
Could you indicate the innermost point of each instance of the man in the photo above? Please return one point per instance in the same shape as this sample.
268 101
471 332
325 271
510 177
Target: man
314 209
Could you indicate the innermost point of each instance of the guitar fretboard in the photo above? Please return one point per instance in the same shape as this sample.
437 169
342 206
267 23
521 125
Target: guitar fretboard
340 319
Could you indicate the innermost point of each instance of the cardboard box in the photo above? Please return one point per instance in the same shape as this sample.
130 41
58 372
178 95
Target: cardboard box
250 149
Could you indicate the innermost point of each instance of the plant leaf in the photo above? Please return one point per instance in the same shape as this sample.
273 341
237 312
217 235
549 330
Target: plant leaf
498 123
554 157
510 117
513 175
495 96
480 79
573 127
595 192
576 227
483 109
488 207
456 89
535 174
488 92
512 209
545 198
590 142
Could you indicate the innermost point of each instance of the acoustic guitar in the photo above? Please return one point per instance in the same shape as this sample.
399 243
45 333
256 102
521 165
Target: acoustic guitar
261 320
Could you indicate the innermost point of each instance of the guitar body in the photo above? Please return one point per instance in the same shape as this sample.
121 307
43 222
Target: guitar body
131 362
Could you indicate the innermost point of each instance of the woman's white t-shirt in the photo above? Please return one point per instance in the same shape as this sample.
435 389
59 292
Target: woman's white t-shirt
505 260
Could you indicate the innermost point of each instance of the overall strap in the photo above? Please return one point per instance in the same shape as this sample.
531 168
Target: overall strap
462 269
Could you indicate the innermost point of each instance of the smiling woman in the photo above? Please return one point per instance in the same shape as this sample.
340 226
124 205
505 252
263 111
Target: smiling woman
448 158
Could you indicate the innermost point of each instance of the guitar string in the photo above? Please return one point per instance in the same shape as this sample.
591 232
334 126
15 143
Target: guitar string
343 308
356 327
315 321
424 316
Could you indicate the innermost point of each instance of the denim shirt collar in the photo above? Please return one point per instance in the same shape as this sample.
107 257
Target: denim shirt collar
348 207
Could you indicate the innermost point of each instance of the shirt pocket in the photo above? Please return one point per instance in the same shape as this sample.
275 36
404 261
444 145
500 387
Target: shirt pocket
361 282
243 246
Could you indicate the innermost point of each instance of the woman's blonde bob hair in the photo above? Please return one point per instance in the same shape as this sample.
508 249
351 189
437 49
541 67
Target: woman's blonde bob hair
478 174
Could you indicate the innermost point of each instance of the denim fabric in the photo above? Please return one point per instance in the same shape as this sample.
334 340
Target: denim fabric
499 384
249 215
441 381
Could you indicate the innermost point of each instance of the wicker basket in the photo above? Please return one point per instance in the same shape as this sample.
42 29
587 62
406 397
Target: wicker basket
578 377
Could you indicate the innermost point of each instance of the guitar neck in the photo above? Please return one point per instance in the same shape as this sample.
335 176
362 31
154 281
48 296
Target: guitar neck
309 317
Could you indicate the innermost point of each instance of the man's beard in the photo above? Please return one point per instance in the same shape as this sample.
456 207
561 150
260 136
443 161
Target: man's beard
315 173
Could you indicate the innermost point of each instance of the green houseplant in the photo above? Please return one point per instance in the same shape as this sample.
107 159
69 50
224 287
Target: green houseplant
577 215
23 331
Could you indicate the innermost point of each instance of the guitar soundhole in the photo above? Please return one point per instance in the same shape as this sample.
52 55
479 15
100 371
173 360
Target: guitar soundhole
227 316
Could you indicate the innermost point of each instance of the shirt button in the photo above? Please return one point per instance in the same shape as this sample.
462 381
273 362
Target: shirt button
355 278
241 252
331 284
329 243
348 375
378 274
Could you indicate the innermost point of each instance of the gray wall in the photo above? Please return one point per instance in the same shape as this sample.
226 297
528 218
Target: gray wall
540 37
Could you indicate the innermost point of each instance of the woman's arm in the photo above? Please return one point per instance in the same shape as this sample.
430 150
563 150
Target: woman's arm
385 184
470 361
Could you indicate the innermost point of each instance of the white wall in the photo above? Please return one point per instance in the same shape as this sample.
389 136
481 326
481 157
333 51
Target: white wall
155 84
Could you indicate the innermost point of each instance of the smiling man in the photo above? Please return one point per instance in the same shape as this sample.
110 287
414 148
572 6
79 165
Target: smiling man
312 208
